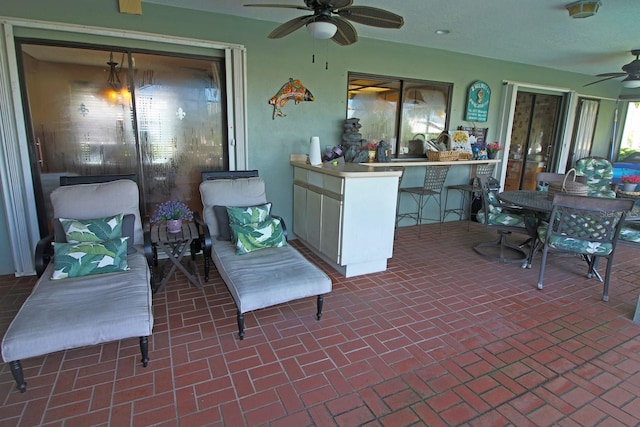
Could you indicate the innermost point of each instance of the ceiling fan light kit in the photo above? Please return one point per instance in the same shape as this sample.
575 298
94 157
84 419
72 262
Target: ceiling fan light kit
583 8
322 29
631 82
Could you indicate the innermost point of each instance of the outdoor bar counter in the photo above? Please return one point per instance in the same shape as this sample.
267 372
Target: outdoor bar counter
346 215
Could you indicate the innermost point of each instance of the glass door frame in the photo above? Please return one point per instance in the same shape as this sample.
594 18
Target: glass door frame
17 185
566 121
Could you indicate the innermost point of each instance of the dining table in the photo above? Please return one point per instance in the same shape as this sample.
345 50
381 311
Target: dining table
535 201
540 205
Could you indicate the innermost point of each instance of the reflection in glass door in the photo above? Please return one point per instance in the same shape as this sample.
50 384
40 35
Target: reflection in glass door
534 131
157 116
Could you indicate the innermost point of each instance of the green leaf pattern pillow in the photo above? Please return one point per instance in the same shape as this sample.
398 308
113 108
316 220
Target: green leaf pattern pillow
92 230
87 258
254 236
249 214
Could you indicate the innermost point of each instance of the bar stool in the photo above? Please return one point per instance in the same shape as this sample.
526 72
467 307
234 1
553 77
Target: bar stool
466 193
434 178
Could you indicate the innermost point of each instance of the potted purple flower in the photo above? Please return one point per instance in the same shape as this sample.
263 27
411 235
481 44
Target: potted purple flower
173 212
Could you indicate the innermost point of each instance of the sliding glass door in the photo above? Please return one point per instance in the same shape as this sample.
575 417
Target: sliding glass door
98 111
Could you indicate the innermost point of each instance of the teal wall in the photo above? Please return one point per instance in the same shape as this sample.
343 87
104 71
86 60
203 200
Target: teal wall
271 62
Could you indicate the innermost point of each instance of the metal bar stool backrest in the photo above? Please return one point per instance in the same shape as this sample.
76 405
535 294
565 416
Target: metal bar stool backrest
434 178
485 169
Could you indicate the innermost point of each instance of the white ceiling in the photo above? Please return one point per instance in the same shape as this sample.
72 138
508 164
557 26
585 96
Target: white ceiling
534 32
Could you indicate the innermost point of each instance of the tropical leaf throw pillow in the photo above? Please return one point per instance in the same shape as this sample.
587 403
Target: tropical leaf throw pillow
87 258
248 214
92 230
260 235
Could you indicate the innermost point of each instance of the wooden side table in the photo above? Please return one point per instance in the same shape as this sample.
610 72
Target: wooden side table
175 246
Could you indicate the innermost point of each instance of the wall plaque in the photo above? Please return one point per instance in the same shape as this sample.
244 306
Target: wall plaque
478 98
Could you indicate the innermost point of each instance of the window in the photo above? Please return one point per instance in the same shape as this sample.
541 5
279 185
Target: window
399 111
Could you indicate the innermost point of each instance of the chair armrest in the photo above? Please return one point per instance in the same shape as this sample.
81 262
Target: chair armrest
284 226
203 232
149 252
44 253
148 247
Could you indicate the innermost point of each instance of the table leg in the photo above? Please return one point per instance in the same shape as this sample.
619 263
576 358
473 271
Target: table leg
175 252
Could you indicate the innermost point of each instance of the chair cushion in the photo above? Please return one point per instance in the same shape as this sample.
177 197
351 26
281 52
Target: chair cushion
599 173
222 218
81 311
630 232
86 201
502 218
571 244
229 192
87 258
267 277
253 236
580 246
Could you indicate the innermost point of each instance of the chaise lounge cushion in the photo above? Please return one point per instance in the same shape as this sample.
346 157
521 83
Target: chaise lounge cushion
104 309
87 201
267 277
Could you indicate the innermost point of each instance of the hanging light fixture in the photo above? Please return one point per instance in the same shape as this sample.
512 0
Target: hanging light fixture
113 80
322 28
114 91
583 8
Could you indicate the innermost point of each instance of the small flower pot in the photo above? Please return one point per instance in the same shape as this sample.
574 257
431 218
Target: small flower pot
629 187
492 154
174 226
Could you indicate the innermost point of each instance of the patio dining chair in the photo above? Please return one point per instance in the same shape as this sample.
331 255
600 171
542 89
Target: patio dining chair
505 220
587 226
598 172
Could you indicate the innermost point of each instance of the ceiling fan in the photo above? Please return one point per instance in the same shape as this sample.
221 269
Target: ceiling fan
631 71
330 20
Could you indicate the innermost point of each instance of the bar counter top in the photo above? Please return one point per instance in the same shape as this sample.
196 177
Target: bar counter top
354 170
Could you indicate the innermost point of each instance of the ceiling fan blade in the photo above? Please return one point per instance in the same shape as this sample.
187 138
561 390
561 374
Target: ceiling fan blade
372 16
284 6
290 26
346 33
611 75
334 4
605 79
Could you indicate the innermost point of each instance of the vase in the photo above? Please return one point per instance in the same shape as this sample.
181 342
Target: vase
174 225
491 154
629 187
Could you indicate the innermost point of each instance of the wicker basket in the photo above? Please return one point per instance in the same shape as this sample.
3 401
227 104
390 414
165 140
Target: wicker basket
442 156
569 187
465 156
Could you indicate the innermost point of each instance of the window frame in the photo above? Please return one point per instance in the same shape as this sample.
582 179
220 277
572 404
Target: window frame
400 148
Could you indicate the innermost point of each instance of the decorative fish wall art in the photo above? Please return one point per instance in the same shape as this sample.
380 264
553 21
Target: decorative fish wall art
292 90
